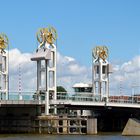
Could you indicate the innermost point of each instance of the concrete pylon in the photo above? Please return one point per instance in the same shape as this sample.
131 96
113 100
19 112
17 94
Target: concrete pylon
100 73
45 56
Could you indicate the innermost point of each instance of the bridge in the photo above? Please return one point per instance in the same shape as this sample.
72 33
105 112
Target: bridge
90 104
31 108
131 102
112 115
127 101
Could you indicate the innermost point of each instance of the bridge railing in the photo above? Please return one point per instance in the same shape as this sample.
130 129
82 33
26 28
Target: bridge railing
135 99
19 102
77 98
26 95
125 99
80 97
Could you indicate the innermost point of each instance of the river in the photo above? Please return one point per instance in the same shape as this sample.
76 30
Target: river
114 136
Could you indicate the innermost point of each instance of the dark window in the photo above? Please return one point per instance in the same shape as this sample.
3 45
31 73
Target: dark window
104 69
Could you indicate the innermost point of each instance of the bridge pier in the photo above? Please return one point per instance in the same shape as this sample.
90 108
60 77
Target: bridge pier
67 125
132 127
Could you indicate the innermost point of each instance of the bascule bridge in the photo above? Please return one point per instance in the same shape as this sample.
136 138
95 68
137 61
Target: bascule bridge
48 112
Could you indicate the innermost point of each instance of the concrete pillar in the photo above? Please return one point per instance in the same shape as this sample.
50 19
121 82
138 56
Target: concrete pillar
92 126
65 125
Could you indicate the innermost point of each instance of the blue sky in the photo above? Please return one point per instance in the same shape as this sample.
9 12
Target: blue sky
81 25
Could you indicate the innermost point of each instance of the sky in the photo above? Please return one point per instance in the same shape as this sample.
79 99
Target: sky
81 25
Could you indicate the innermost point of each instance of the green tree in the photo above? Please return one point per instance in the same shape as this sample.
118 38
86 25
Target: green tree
61 92
61 89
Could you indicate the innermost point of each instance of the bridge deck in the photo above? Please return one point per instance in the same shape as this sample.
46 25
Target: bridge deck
79 101
69 103
93 103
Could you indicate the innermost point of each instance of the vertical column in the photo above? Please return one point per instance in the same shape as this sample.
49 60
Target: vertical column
106 90
47 107
55 94
7 75
52 76
54 73
1 76
100 90
93 79
4 75
38 74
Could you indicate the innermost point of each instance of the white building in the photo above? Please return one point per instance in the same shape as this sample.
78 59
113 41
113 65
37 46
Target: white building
84 91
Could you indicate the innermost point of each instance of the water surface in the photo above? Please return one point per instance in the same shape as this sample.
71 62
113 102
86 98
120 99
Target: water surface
67 137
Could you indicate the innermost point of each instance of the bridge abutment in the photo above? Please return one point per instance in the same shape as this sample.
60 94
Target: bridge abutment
132 127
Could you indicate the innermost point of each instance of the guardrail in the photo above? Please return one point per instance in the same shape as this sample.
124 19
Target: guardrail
29 95
114 99
22 102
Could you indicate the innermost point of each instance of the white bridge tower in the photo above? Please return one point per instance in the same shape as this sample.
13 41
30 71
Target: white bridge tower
3 67
100 70
45 57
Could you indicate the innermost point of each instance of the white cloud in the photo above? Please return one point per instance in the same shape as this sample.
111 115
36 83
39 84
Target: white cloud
69 72
132 66
125 76
28 70
116 67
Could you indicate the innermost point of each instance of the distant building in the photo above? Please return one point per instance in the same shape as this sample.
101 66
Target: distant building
85 91
82 87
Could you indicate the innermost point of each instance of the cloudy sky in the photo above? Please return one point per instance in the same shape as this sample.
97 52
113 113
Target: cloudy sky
81 25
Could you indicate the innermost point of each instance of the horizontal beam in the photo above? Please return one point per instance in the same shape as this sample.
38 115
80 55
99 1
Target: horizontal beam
94 104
